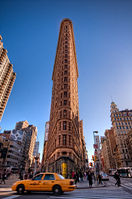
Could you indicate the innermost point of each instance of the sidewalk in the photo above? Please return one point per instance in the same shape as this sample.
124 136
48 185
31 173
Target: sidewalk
8 183
85 185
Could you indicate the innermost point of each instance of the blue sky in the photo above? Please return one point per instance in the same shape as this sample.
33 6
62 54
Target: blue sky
103 38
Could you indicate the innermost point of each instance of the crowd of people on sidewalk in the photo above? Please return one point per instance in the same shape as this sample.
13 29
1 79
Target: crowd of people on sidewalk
89 175
80 176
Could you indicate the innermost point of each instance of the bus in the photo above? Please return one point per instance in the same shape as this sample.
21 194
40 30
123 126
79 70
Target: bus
125 172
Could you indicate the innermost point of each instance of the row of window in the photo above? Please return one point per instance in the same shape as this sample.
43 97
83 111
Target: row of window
66 125
12 157
123 127
124 118
124 151
64 114
65 103
123 114
122 132
65 139
123 123
64 94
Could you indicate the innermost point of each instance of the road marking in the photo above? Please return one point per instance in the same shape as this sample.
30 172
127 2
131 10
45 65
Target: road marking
67 197
11 197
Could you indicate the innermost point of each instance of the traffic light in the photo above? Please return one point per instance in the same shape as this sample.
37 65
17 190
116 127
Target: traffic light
91 164
93 157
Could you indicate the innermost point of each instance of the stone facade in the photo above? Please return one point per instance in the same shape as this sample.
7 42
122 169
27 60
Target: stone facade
108 150
129 143
19 144
122 124
7 78
105 154
65 149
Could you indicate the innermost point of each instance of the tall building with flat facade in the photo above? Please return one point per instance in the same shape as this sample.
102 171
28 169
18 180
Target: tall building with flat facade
65 150
19 145
122 124
31 134
7 78
108 150
129 143
44 158
36 149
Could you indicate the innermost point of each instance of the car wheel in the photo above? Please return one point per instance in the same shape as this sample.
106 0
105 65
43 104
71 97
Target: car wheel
57 190
20 189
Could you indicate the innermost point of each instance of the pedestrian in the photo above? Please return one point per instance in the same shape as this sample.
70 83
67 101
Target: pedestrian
76 177
31 175
117 177
90 180
81 176
73 174
100 178
3 177
21 175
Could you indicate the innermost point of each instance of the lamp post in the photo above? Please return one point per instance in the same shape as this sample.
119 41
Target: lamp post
96 153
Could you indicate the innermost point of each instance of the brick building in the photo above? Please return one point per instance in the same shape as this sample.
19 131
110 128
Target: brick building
7 78
122 124
65 148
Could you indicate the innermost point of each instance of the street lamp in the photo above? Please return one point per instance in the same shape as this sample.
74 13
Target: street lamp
96 151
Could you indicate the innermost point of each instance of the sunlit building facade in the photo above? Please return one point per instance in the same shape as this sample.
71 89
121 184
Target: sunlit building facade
7 78
122 124
65 146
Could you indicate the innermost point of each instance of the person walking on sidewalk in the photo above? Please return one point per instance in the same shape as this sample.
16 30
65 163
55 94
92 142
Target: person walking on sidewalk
117 177
99 179
3 177
90 180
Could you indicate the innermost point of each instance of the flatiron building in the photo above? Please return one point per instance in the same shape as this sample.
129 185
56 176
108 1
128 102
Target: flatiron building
65 147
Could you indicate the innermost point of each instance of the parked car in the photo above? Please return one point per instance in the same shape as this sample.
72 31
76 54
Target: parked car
51 182
105 177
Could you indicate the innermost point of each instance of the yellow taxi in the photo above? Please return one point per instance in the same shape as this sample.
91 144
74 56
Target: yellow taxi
52 182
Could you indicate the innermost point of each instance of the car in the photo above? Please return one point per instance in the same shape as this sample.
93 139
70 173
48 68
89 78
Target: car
104 176
49 182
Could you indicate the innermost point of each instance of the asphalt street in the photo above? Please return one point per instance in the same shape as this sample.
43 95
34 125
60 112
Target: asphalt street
109 191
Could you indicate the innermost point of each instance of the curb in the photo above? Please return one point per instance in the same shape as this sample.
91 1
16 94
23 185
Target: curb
90 187
5 189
